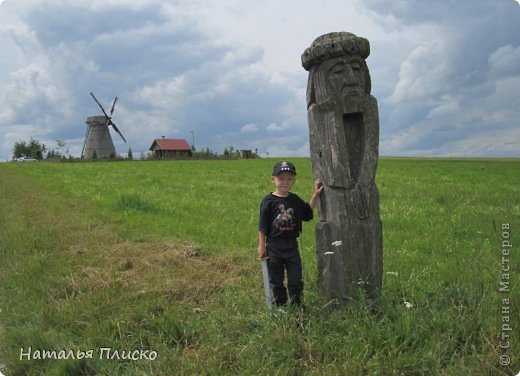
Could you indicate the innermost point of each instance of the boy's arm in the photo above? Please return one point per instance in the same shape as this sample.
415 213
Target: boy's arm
318 188
261 244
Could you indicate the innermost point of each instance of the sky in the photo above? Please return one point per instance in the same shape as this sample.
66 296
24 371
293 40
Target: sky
220 73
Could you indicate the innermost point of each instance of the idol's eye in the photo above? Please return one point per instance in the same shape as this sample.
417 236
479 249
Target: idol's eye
338 68
355 66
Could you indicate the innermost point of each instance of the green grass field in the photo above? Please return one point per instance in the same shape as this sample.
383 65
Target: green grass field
160 257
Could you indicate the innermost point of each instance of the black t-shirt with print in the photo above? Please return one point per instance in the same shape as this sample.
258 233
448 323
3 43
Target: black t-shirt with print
281 217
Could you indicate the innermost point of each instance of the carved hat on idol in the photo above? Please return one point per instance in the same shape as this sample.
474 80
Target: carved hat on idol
284 166
335 45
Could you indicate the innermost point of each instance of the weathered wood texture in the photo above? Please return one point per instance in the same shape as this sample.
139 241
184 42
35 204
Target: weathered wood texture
344 140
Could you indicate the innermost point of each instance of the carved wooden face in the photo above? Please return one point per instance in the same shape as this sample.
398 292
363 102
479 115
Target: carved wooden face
338 79
345 76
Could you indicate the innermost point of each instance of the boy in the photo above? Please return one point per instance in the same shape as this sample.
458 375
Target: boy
281 216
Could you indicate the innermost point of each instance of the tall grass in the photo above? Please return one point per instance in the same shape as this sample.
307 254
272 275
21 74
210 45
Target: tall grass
162 256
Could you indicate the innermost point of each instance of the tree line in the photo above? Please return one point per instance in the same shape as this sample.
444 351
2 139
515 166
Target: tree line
39 151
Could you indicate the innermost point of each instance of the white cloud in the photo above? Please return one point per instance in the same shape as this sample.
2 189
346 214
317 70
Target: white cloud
505 62
249 128
273 127
422 74
448 107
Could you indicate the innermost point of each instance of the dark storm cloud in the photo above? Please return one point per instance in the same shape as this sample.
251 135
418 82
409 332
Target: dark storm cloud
445 73
452 87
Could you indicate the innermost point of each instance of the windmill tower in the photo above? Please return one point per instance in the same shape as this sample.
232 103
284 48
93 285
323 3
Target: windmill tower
98 142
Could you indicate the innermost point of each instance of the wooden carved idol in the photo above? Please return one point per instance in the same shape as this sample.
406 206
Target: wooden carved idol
344 139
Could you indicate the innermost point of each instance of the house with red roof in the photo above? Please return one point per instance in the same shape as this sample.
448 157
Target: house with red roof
170 148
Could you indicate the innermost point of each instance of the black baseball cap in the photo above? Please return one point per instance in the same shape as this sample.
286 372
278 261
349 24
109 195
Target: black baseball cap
284 166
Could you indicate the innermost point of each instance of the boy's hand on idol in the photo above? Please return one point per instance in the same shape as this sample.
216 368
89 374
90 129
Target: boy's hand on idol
318 186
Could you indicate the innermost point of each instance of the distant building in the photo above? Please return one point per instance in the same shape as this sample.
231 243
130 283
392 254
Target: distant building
247 154
169 148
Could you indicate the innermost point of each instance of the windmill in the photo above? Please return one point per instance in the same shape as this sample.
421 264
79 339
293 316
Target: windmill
98 141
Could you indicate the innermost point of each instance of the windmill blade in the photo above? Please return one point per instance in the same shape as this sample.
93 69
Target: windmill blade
100 106
109 118
117 130
113 106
